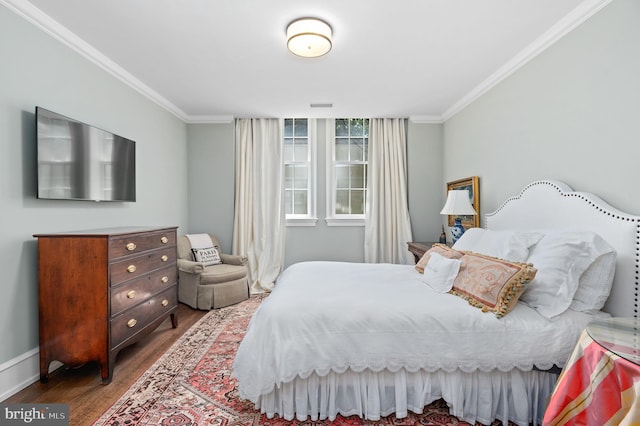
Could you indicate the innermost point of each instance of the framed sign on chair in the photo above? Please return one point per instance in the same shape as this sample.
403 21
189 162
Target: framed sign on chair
471 185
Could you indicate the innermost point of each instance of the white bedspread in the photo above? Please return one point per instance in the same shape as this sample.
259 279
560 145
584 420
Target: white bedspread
333 316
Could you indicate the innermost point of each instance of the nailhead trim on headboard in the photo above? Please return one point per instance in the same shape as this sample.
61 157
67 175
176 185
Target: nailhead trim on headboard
615 215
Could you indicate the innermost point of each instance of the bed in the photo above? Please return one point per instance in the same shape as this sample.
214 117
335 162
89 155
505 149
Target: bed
375 339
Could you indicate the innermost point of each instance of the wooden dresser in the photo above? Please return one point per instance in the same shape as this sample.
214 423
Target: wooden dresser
102 290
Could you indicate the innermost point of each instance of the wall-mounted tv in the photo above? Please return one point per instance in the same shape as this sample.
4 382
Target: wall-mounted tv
77 161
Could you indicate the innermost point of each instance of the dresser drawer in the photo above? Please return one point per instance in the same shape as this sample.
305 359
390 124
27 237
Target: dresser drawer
135 319
132 292
134 267
137 243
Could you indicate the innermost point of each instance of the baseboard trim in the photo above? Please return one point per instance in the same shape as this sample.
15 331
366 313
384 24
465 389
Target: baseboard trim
18 373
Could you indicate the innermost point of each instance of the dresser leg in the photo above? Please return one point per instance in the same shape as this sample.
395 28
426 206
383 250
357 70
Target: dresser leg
174 320
106 370
44 368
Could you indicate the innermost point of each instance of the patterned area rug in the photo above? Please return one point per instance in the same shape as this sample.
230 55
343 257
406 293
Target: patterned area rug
191 384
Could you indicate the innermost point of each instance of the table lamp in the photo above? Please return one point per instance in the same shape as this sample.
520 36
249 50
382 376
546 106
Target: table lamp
458 204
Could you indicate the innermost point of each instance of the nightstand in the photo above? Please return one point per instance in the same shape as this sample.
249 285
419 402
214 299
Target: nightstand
418 249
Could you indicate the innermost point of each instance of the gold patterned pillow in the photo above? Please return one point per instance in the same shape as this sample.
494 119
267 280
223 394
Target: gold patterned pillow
441 249
491 284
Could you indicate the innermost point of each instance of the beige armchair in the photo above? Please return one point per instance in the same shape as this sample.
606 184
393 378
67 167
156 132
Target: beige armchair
210 287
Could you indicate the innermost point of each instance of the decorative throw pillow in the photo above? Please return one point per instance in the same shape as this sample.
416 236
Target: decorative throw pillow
491 284
441 249
208 256
509 245
440 272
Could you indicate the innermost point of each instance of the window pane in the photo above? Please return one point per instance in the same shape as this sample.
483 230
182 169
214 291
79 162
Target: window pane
356 128
342 201
288 149
300 202
288 176
301 176
365 149
288 204
301 127
357 201
288 127
342 149
301 149
342 127
357 149
342 176
357 176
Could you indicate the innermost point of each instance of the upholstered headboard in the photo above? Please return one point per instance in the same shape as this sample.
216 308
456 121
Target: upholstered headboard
552 205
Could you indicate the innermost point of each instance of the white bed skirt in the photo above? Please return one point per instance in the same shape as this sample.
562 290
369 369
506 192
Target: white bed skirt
516 395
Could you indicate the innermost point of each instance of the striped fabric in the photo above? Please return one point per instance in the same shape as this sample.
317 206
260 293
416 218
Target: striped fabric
596 387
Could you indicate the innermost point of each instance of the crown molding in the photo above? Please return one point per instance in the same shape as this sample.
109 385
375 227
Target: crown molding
45 23
209 119
426 119
576 17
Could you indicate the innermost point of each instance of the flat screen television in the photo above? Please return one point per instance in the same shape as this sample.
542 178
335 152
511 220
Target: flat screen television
77 161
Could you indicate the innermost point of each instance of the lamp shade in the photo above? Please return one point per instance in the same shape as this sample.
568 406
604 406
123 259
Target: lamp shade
458 203
309 37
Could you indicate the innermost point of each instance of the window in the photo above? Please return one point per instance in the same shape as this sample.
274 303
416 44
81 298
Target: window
347 163
299 171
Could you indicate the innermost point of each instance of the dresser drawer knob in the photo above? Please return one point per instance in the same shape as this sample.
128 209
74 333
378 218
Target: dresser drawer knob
165 302
164 279
164 258
132 322
131 294
131 268
131 246
164 240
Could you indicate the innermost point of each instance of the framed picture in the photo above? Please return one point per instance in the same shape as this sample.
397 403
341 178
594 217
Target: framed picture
470 184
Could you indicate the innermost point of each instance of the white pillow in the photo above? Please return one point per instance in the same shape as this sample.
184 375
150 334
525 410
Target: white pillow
595 284
560 258
508 245
209 256
440 272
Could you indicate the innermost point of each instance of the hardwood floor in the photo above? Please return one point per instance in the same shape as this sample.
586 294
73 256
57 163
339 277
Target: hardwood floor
82 387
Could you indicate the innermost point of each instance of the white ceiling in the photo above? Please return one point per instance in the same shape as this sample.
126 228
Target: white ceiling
208 60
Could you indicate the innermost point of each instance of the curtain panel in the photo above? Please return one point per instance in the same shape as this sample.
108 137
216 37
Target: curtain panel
387 223
259 221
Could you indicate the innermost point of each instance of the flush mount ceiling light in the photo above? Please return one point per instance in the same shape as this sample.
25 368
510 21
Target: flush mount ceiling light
309 37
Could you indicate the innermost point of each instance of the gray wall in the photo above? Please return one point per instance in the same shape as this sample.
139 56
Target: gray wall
211 171
570 114
426 188
38 70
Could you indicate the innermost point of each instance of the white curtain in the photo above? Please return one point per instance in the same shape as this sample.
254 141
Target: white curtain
387 224
259 223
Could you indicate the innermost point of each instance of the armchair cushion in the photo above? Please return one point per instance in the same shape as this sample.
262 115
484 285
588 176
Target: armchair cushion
222 273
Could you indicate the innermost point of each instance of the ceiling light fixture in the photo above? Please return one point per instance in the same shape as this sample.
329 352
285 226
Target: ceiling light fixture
309 37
